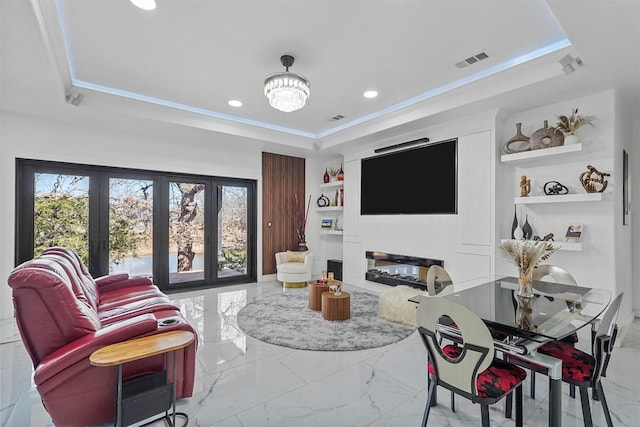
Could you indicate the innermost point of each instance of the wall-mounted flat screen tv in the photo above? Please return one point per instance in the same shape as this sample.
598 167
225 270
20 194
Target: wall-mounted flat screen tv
420 180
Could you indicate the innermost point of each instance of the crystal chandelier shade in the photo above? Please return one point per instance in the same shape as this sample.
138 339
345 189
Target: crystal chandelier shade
287 91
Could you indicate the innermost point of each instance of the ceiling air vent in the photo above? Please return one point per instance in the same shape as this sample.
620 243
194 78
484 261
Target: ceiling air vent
472 60
336 118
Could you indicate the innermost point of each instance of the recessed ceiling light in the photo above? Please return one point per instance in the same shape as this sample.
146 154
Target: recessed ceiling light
370 94
145 4
235 103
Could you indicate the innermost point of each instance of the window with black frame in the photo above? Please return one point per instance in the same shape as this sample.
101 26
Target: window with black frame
184 230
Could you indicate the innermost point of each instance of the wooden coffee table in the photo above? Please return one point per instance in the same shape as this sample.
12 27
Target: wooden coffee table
336 307
315 294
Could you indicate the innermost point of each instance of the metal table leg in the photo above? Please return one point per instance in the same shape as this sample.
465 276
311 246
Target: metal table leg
118 403
554 372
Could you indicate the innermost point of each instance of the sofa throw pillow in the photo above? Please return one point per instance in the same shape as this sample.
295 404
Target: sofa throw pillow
295 256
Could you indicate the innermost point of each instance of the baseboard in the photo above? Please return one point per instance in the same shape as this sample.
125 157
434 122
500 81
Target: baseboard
268 278
622 332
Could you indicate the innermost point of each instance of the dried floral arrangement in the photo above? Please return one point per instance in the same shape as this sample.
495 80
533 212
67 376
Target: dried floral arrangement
526 254
301 218
333 172
569 124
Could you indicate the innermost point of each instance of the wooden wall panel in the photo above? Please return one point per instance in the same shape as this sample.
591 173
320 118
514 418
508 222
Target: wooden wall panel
282 177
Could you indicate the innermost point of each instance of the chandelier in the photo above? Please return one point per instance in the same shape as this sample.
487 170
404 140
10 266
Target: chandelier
287 91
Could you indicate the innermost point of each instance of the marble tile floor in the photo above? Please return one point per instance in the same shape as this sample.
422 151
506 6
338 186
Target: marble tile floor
242 382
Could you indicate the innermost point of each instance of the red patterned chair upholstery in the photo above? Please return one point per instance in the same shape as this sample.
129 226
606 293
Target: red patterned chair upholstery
64 315
584 370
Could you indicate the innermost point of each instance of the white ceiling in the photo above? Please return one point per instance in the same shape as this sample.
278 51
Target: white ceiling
183 62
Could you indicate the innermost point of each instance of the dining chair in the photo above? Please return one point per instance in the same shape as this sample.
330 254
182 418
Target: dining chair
470 369
562 276
558 274
437 280
585 370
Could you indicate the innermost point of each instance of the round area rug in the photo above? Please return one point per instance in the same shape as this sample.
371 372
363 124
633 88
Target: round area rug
285 319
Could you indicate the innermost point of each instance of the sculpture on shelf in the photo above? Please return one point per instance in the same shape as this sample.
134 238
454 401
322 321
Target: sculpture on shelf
554 188
323 201
593 180
546 137
548 237
525 186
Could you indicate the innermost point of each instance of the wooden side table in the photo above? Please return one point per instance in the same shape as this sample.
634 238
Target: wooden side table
336 307
315 294
144 397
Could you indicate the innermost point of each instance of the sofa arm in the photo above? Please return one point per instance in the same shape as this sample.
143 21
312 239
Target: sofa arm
308 261
281 258
82 348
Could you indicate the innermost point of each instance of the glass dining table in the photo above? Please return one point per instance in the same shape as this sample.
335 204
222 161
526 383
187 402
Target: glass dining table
524 324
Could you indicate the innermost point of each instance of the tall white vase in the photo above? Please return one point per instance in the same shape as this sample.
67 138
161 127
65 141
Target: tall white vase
518 234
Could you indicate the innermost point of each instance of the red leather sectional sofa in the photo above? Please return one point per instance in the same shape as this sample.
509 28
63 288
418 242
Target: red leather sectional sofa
64 315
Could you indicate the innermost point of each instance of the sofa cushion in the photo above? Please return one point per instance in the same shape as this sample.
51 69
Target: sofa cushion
295 256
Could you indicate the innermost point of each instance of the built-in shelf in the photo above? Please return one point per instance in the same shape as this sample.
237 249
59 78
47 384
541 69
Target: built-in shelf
560 198
563 246
332 232
332 184
330 208
553 151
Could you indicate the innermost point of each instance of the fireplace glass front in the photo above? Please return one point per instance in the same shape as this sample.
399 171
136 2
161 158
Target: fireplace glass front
393 269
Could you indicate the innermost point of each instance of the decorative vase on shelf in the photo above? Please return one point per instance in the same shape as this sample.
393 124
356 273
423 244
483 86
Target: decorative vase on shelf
546 137
514 226
325 177
518 143
571 138
340 175
527 231
518 234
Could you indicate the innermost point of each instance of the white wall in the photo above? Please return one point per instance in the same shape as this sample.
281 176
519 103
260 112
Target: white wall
35 138
322 246
605 259
464 241
634 162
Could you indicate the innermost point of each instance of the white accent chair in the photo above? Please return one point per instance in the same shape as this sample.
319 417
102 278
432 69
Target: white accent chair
294 268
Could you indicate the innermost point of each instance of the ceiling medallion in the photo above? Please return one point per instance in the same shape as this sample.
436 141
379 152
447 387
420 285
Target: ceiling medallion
287 91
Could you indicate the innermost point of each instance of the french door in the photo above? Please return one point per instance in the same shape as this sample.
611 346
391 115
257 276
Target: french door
183 230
